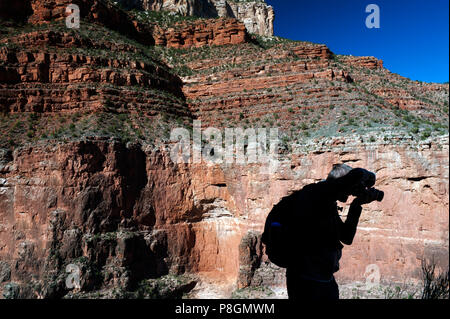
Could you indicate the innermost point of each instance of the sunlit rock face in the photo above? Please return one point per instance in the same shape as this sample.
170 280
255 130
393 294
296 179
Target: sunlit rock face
84 200
125 212
257 16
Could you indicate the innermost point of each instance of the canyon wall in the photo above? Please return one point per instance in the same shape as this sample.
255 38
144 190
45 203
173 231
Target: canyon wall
203 33
257 16
132 213
85 173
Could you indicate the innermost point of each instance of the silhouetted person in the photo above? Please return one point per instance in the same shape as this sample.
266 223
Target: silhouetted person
315 232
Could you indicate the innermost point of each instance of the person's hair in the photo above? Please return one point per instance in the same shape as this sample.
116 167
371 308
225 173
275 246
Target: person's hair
338 171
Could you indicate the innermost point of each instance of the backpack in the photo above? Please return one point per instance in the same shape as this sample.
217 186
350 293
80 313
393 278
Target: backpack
276 235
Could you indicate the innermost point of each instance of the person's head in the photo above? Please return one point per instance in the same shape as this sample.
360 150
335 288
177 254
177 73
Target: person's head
338 171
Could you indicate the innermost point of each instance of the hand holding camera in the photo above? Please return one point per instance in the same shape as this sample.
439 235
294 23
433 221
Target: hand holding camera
363 190
368 196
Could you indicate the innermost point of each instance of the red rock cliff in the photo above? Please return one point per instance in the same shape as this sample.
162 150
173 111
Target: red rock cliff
126 214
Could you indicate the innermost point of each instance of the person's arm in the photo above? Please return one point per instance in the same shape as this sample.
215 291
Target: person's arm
348 229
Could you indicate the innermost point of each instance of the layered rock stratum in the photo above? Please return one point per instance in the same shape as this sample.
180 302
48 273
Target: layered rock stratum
86 176
257 16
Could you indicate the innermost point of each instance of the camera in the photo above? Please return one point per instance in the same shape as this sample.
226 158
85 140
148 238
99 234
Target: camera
373 193
364 187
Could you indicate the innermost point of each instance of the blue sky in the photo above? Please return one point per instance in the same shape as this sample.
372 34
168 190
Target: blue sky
413 39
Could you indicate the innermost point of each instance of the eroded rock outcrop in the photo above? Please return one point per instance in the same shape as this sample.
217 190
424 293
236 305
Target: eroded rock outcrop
83 203
202 33
257 16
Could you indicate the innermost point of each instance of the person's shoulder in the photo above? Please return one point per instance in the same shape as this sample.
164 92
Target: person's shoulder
289 199
313 192
303 193
306 193
314 187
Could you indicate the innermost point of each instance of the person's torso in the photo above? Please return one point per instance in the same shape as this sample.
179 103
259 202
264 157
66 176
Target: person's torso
315 227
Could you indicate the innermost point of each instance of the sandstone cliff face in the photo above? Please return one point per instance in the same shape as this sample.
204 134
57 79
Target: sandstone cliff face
83 203
257 16
117 219
295 79
202 8
182 35
125 214
211 32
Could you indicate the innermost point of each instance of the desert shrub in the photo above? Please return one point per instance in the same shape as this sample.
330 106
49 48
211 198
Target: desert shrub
435 285
426 134
415 130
